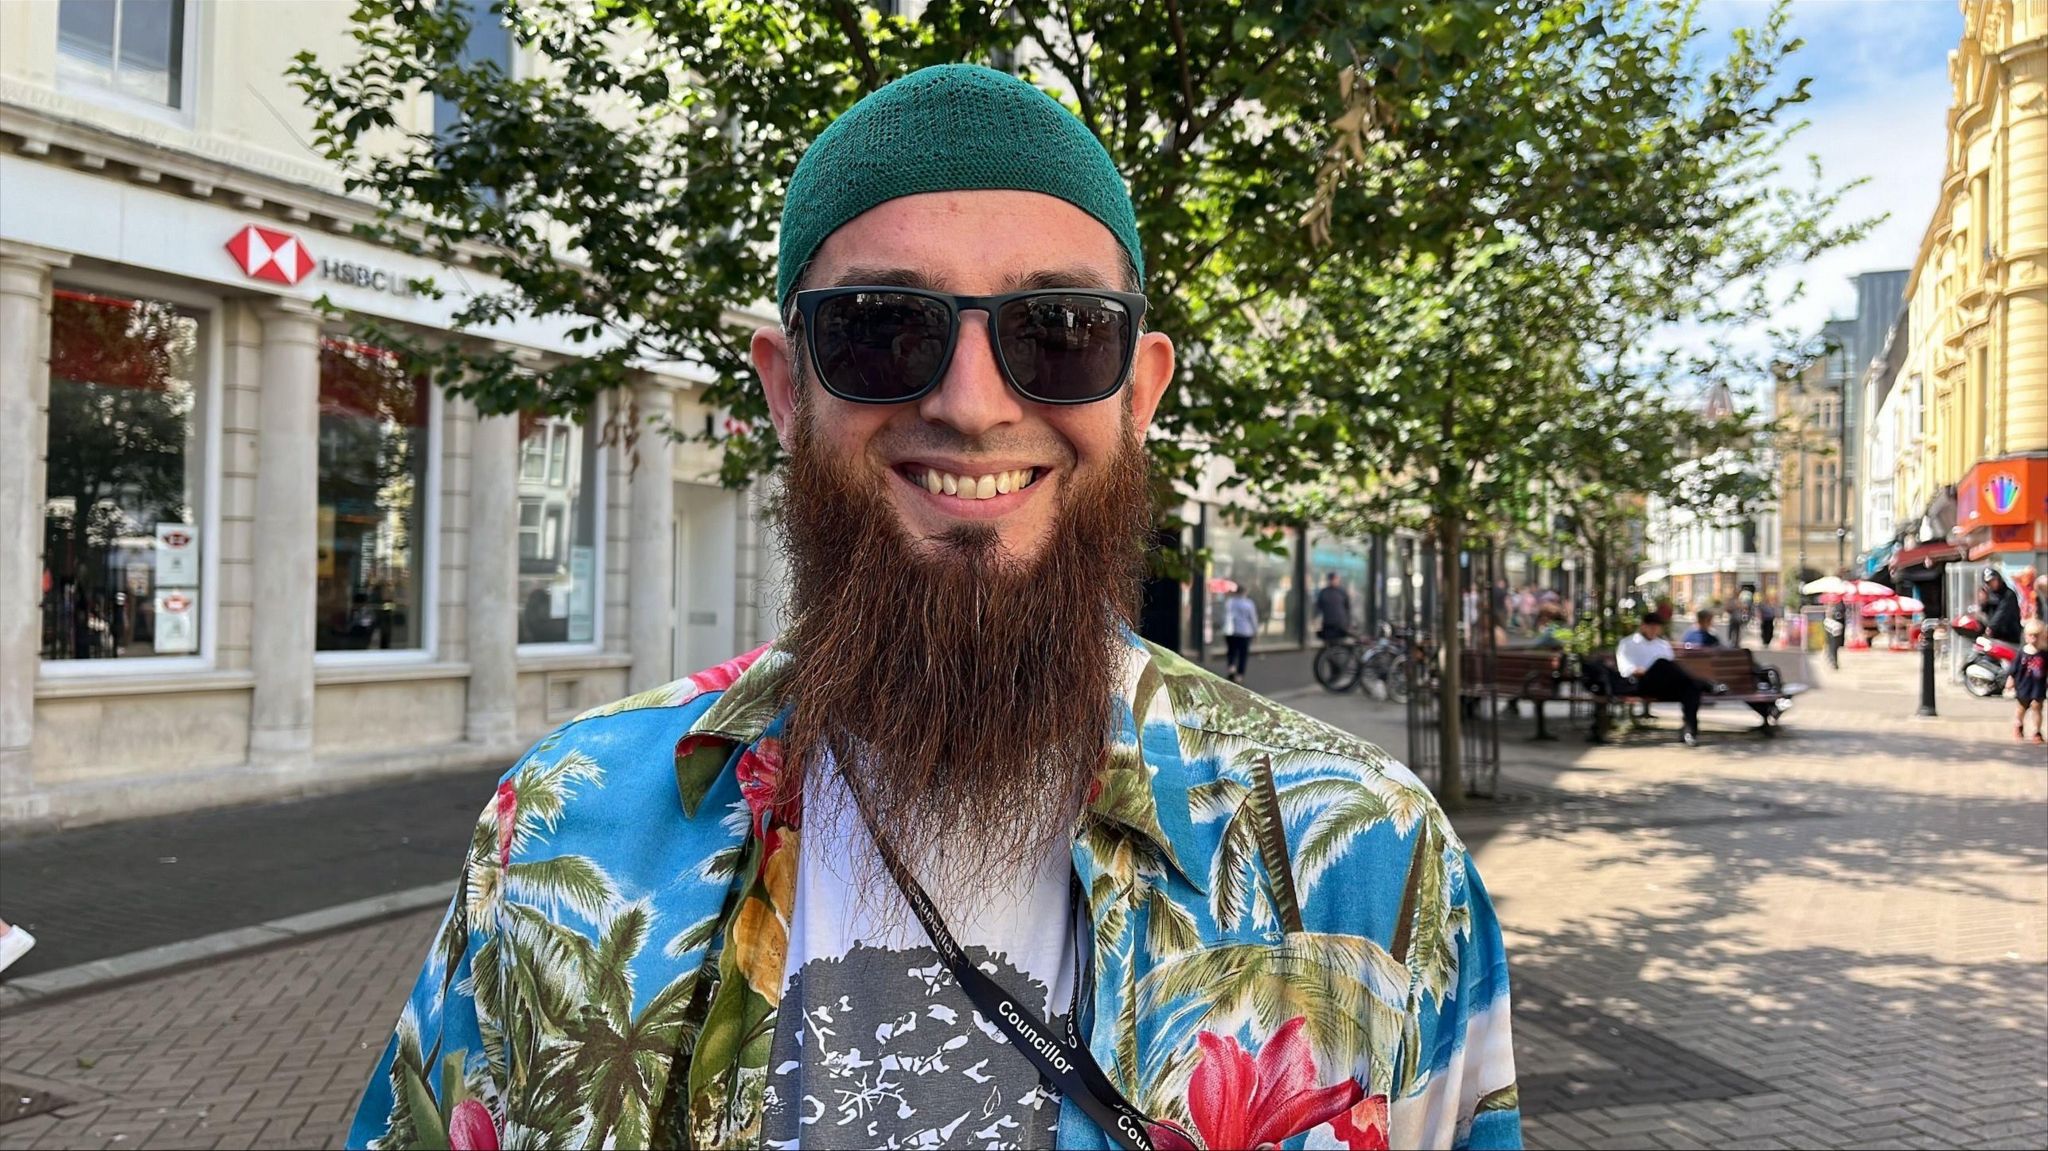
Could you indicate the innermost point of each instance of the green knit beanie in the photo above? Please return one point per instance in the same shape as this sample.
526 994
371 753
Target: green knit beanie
950 128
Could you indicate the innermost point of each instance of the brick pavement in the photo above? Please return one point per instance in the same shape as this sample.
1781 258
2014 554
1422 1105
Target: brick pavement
113 889
1835 938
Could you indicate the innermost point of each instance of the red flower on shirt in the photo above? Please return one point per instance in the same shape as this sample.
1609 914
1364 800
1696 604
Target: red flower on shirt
760 773
1364 1127
471 1128
1240 1102
721 677
508 820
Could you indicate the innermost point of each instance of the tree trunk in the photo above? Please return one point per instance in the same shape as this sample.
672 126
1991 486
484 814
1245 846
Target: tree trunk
1450 790
1604 602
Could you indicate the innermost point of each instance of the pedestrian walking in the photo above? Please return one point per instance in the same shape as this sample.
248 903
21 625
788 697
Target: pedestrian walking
2030 681
1767 619
14 943
1333 609
2024 585
958 806
1837 627
1240 624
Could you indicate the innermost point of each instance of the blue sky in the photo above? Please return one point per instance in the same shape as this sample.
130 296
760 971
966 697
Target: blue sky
1879 109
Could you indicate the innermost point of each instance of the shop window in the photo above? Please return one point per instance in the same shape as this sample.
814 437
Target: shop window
133 47
558 532
1236 560
374 449
122 480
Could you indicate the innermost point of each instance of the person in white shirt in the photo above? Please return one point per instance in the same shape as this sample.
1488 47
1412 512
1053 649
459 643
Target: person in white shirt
1645 661
1240 623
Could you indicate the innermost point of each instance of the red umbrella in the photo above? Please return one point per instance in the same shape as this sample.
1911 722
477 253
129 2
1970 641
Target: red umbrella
1220 586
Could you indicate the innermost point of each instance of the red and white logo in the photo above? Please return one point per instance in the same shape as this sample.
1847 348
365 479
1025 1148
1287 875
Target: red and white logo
268 254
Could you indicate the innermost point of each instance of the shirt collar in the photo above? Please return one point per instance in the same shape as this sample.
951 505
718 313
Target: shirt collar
1143 788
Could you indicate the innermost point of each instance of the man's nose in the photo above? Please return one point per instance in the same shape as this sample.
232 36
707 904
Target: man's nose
974 398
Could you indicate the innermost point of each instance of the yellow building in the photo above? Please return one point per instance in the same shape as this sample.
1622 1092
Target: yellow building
1970 473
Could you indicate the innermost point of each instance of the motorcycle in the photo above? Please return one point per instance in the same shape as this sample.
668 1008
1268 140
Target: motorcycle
1992 662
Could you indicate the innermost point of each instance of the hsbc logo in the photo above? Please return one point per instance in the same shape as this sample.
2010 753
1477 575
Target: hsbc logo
279 257
268 254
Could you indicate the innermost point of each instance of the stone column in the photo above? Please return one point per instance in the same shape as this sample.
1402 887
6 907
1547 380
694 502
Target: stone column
24 402
287 544
493 579
650 578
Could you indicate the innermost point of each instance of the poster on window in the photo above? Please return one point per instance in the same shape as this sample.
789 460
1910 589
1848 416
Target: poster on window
176 622
177 555
582 594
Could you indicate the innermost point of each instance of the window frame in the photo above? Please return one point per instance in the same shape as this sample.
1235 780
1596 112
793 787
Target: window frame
185 115
429 649
211 400
593 426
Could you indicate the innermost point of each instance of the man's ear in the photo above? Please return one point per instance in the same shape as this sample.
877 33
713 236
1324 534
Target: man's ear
772 354
1151 375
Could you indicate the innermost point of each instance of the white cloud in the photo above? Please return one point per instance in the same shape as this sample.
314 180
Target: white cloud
1878 113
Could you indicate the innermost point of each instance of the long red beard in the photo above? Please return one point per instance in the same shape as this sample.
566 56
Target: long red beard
969 696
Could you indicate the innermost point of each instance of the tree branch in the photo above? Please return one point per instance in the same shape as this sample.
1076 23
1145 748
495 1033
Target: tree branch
1180 52
849 22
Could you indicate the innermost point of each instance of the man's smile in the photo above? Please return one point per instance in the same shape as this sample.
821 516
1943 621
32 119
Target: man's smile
971 491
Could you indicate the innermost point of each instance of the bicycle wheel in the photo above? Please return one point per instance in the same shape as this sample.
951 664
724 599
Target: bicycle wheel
1397 683
1384 665
1337 667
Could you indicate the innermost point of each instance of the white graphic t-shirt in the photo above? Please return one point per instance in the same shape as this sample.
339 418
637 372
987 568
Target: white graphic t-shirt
875 1045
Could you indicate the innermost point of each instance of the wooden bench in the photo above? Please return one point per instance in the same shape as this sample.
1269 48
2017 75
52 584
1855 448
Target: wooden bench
1513 674
1755 686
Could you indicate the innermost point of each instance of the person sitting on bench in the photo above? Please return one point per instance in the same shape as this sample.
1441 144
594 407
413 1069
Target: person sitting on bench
1649 668
1702 635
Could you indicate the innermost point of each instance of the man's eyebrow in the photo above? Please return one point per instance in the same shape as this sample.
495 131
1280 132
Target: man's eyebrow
1075 277
901 277
882 277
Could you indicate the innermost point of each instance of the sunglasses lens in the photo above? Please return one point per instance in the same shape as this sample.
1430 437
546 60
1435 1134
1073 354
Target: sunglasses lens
1065 349
880 346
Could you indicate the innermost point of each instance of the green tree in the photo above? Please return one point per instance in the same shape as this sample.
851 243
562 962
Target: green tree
631 185
1446 383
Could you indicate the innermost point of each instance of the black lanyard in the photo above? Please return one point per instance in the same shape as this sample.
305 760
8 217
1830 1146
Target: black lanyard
1062 1060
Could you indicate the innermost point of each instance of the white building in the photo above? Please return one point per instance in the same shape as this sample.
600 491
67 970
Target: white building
1706 561
241 554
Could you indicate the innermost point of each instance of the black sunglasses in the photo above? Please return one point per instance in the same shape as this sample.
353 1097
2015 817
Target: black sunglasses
882 345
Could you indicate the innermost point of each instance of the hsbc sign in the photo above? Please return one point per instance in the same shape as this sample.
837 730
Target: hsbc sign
281 258
268 254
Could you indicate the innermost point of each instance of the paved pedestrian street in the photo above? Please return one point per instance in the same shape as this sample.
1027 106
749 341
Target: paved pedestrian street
1834 938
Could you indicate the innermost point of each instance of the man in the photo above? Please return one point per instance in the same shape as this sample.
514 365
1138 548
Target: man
1240 624
1702 633
854 889
1333 609
2001 607
1649 668
1767 619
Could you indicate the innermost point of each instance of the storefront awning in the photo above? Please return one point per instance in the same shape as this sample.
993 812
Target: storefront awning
1652 575
1932 554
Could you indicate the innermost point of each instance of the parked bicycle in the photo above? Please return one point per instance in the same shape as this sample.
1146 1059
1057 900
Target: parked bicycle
1350 662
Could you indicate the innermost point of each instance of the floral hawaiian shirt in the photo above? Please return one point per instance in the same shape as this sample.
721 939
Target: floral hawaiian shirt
1287 944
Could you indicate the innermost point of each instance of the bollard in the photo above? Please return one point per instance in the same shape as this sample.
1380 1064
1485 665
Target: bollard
1926 669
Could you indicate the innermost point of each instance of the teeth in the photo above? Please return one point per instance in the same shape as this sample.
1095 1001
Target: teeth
978 487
